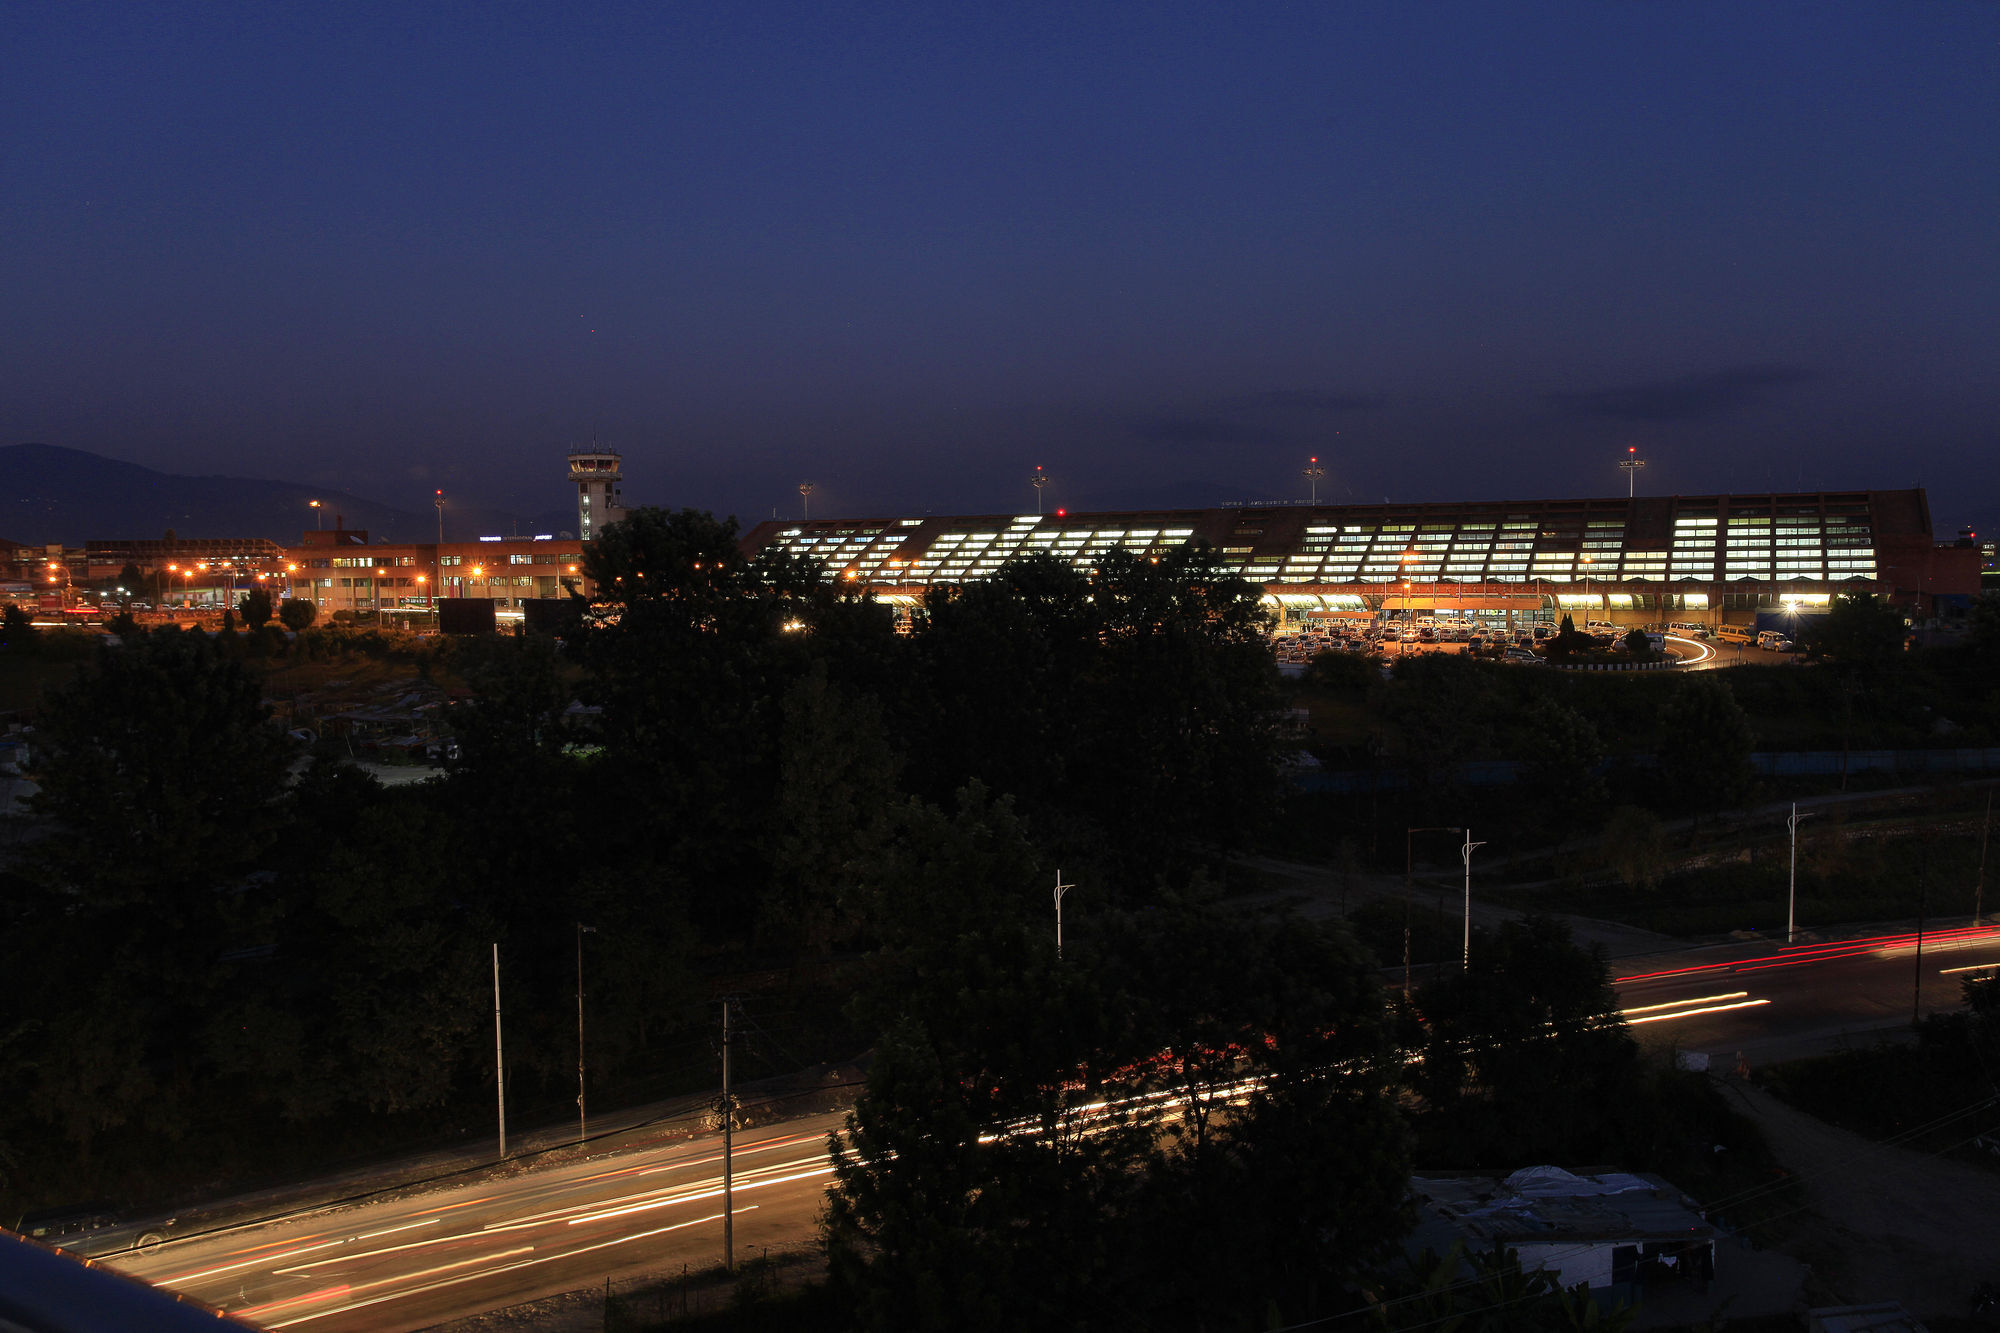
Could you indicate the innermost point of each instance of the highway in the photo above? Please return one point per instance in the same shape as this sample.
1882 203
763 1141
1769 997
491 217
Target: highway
1771 1001
515 1235
640 1205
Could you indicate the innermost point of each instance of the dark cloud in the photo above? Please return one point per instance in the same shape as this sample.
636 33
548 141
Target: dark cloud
1683 399
1303 400
1201 430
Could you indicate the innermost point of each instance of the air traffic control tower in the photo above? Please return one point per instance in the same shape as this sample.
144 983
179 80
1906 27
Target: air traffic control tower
597 473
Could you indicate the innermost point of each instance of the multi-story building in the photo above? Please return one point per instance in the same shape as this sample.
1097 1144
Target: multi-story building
1628 559
340 570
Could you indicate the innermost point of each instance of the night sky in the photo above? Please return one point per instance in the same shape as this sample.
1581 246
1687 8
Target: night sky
1458 250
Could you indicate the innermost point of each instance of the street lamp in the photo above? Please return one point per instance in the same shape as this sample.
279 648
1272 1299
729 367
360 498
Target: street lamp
1061 889
319 519
1039 480
1792 890
1465 852
806 490
1312 472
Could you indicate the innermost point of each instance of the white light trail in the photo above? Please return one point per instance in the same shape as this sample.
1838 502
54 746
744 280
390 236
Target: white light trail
504 1268
1690 1013
1678 1004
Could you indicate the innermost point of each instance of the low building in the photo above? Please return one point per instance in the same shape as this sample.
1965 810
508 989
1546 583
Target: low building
339 570
1615 1233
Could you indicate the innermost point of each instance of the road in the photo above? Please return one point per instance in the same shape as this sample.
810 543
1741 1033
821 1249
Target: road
1773 1002
516 1235
648 1206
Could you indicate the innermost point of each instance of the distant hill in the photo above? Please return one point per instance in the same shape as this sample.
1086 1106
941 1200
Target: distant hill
52 494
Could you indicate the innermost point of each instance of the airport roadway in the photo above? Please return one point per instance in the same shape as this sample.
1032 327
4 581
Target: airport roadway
427 1255
1769 1001
513 1236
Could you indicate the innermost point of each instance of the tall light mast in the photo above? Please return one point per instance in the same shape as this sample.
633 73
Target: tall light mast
1039 480
806 489
1312 473
1631 463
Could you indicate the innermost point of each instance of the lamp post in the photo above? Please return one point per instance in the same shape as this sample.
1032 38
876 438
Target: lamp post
319 514
1312 473
1039 480
806 489
1061 889
1465 853
1792 891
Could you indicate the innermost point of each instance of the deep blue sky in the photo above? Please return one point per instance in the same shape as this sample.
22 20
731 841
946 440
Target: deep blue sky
1458 250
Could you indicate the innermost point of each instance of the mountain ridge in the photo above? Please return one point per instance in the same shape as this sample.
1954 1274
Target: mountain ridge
51 493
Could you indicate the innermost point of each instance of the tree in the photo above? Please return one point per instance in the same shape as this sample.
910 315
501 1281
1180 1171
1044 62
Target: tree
1562 751
1634 846
1524 1058
162 767
17 631
256 607
296 613
1053 1138
130 578
1705 744
1637 644
837 793
1569 641
1858 629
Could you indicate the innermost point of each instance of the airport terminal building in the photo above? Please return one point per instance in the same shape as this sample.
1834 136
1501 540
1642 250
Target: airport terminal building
1647 558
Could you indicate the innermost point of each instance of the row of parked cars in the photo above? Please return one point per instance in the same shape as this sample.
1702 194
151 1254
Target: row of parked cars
1377 638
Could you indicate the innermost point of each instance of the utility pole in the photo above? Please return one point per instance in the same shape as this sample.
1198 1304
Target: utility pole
1061 889
582 1130
1792 894
1979 889
499 1056
728 1105
1466 853
1923 910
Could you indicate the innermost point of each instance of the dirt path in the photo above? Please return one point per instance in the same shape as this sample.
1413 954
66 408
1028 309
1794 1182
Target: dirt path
1890 1224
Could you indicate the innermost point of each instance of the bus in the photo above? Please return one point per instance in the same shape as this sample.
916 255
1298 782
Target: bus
1736 634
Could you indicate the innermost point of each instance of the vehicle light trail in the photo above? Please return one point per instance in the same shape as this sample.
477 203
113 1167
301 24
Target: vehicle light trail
1690 1013
1676 1004
504 1268
1958 937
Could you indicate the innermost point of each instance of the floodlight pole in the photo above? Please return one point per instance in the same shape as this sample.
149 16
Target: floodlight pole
1632 463
1312 473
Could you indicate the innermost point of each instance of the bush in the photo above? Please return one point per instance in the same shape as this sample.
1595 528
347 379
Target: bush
297 613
